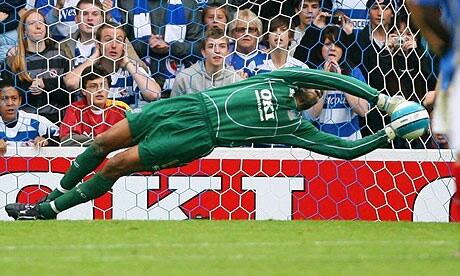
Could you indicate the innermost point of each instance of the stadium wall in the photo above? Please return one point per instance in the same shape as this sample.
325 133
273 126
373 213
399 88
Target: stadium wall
252 183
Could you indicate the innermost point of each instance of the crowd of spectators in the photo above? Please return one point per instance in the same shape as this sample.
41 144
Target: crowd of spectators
79 65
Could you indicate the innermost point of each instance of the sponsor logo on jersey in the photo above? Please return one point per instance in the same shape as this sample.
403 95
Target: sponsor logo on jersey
265 104
336 100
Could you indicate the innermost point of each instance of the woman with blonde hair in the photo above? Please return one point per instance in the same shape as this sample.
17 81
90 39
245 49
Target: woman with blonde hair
36 68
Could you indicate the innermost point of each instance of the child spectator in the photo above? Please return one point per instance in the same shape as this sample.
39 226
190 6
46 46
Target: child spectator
130 83
337 112
266 9
37 69
212 71
279 37
312 20
246 29
307 11
95 113
213 15
18 127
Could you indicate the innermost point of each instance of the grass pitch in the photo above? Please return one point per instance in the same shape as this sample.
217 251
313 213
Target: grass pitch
228 248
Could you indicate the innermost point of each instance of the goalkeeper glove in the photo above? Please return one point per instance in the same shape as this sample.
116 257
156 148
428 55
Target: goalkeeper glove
388 104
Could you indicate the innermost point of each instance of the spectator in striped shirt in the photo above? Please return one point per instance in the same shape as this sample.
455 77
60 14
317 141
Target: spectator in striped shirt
36 68
338 112
246 52
130 83
95 113
89 17
21 128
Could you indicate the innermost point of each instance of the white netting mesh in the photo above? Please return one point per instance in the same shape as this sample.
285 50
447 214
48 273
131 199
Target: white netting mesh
175 47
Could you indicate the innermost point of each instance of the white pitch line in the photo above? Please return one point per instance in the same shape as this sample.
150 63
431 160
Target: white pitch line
158 257
70 247
383 242
142 245
128 258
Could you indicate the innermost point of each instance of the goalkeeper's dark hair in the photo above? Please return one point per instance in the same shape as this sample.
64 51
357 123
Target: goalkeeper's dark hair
92 73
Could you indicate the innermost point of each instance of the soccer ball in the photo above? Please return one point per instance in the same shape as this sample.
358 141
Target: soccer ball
410 120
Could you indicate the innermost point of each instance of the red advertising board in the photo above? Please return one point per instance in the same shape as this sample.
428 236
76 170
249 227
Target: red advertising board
257 184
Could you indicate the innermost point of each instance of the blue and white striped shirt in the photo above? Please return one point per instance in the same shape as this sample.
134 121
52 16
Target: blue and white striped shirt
28 127
124 88
248 63
338 117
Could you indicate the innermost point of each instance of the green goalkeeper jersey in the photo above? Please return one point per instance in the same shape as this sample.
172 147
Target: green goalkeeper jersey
262 109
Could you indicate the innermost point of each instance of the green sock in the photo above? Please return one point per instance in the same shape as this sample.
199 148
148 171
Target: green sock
91 189
47 211
85 163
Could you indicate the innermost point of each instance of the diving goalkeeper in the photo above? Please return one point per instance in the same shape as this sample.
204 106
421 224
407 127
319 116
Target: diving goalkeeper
266 108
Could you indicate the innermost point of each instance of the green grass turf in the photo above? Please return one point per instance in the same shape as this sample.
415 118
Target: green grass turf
228 248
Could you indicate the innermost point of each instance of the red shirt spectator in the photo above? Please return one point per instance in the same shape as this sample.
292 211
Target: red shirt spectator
93 115
84 120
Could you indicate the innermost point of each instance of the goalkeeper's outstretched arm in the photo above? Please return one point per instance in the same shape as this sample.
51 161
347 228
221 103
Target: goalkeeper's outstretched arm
319 79
310 138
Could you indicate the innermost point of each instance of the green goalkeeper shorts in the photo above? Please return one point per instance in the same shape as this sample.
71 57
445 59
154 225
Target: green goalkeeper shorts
171 132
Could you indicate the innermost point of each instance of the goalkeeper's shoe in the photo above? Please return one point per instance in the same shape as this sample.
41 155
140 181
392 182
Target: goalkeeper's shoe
19 211
388 104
